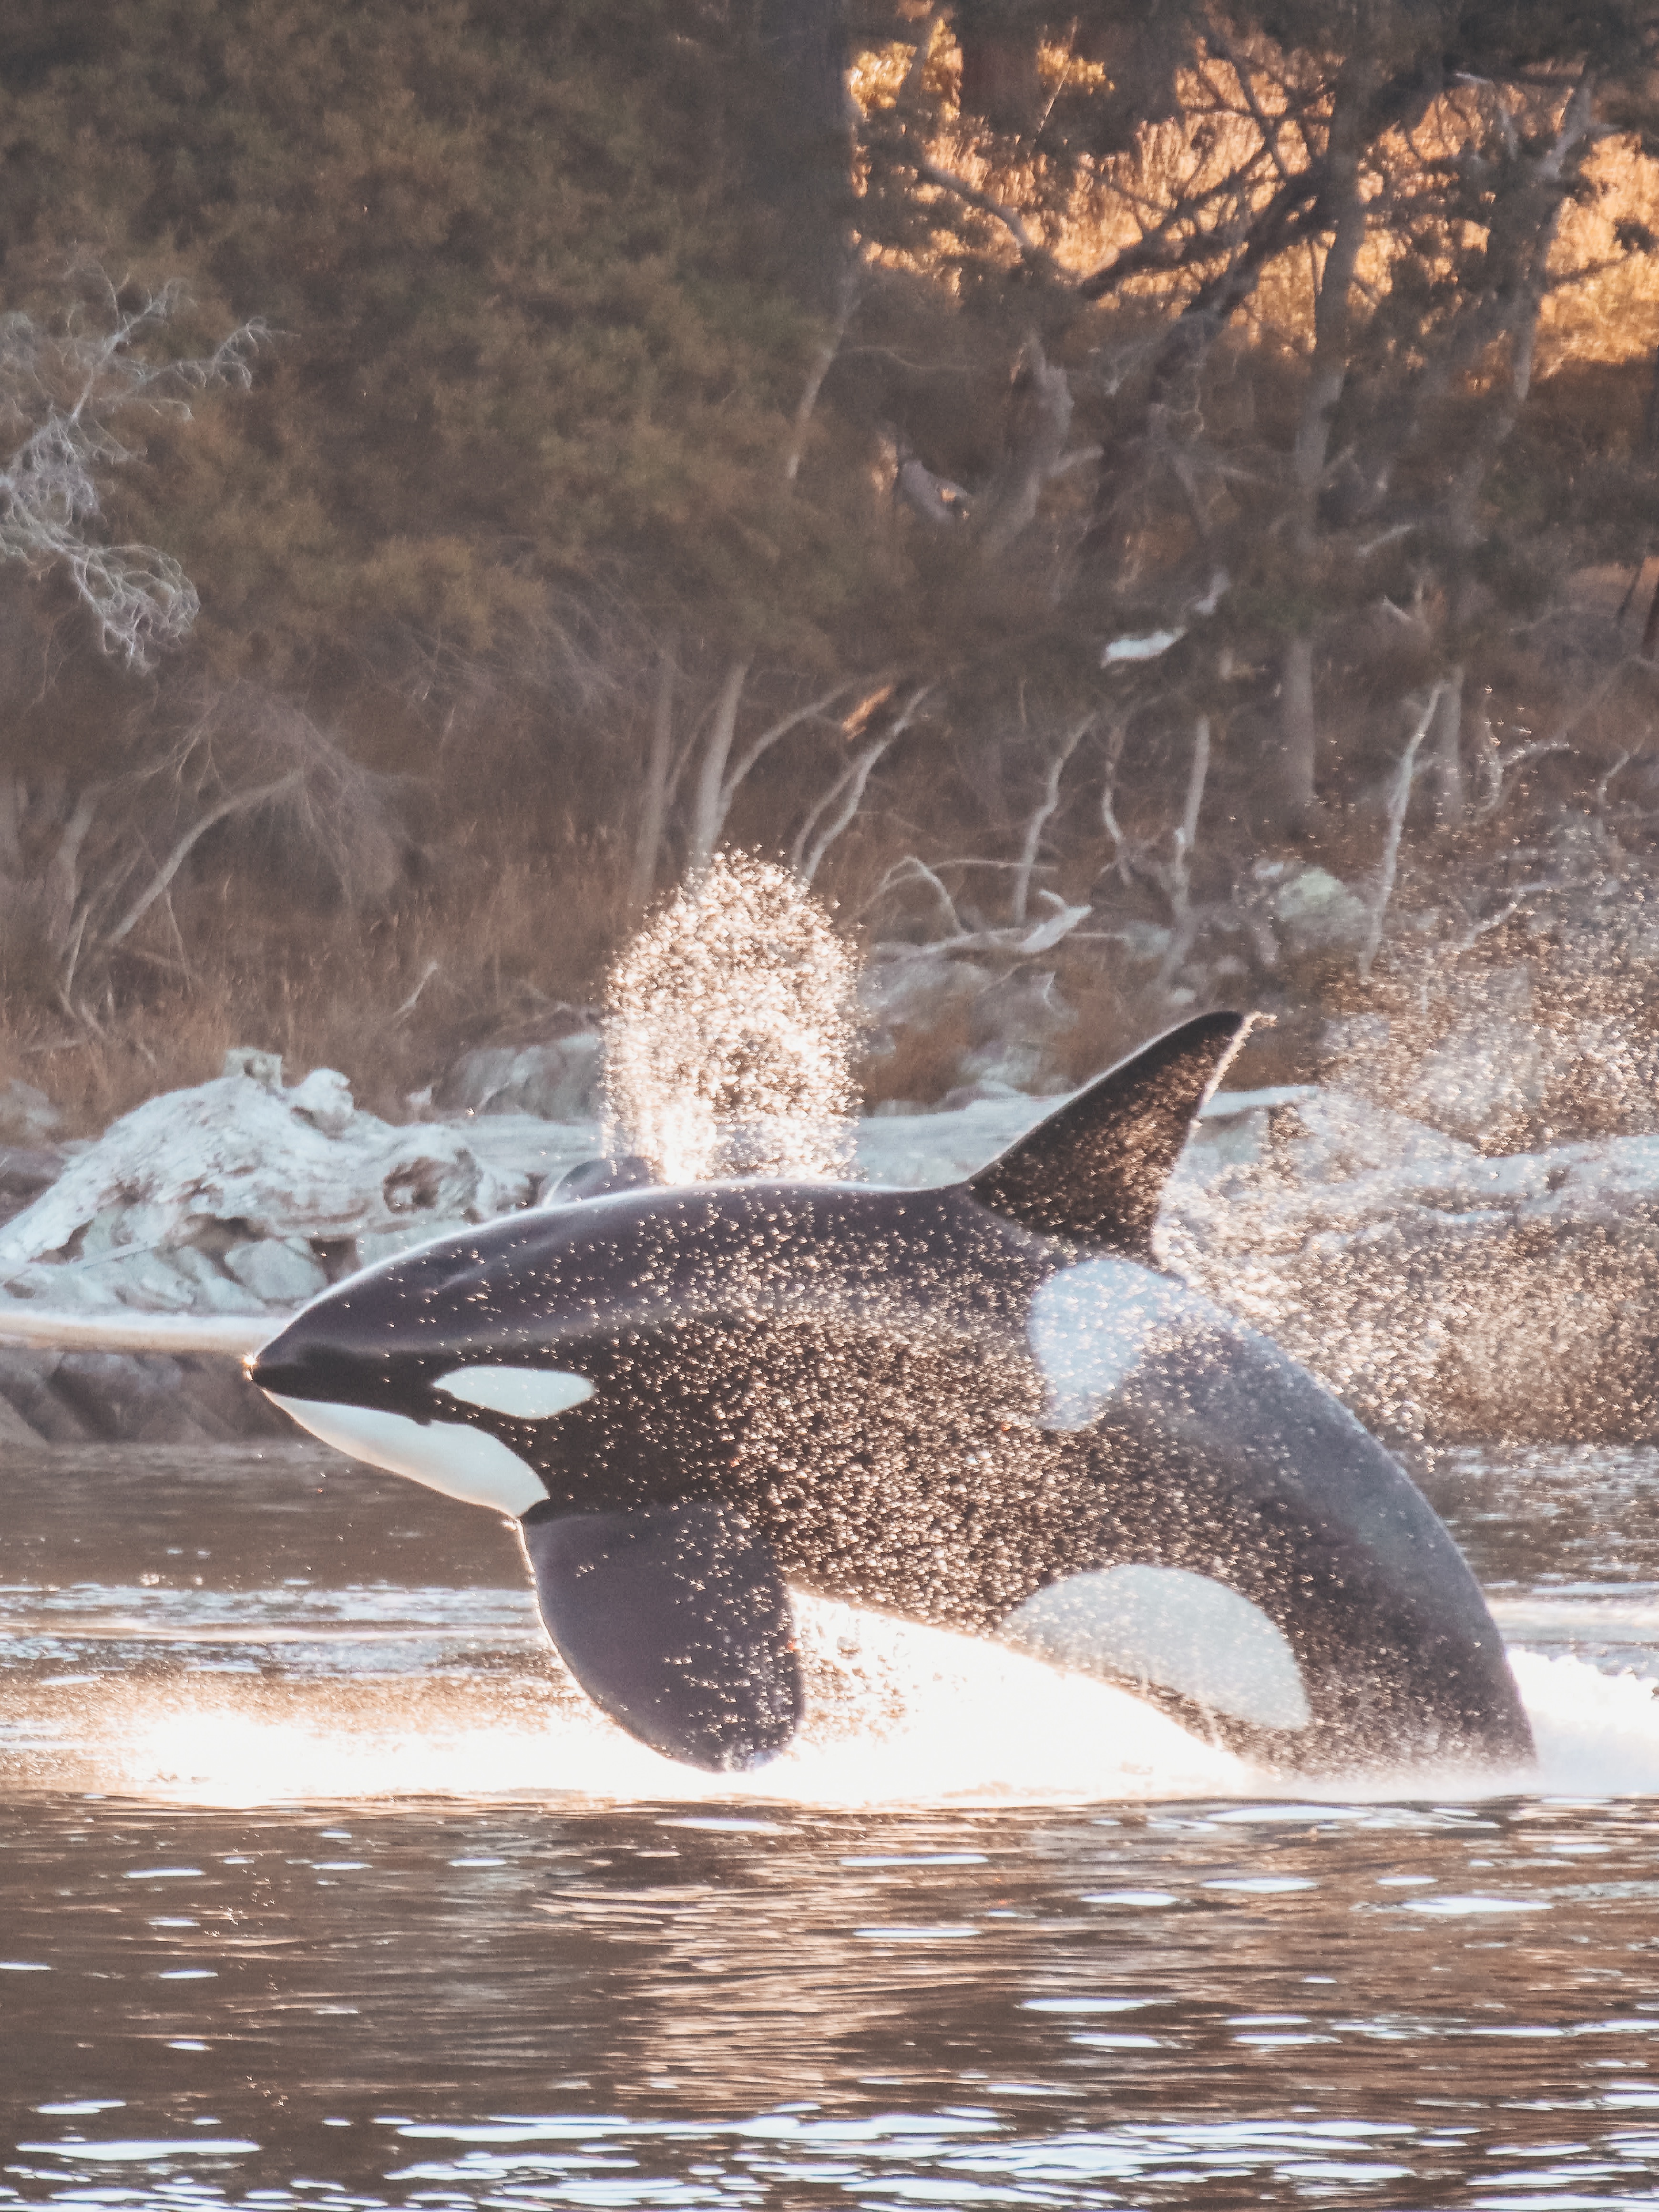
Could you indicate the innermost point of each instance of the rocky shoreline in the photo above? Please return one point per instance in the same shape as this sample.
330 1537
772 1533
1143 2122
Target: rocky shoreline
1443 1293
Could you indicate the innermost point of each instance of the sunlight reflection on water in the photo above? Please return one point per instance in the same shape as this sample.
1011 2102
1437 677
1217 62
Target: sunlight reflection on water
917 1716
319 1885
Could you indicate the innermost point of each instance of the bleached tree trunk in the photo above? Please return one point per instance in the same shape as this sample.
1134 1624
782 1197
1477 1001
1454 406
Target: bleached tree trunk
710 799
62 884
837 810
1446 751
1294 781
1042 815
1400 796
824 360
653 805
1039 423
720 776
1178 877
240 802
845 797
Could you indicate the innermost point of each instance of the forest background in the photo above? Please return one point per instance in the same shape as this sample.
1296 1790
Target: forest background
1143 506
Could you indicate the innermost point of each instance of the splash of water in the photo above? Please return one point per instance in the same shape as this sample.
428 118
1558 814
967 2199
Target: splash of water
729 1042
899 1715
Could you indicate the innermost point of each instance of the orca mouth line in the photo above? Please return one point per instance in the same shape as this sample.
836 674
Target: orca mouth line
447 1451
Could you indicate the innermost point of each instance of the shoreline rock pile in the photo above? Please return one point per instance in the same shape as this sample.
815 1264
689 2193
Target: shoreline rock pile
1444 1293
243 1195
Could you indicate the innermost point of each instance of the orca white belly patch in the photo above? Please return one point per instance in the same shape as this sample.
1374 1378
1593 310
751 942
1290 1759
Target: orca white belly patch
1169 1626
528 1393
452 1456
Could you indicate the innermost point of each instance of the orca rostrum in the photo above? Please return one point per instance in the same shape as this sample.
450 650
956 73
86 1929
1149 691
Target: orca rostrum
982 1406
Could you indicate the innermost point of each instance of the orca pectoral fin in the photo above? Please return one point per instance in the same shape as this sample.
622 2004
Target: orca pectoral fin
676 1621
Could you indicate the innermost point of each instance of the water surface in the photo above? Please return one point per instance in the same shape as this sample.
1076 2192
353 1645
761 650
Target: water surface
317 1885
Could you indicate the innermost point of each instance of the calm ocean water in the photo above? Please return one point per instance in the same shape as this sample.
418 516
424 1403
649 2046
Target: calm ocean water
318 1887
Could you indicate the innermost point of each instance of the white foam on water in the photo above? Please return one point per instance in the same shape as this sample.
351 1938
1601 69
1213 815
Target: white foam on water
1597 1734
898 1715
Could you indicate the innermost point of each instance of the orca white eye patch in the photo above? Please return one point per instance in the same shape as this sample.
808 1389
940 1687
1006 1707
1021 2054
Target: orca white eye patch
524 1393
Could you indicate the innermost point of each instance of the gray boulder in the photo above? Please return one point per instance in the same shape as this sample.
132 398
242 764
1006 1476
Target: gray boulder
1489 1076
561 1081
154 1214
1319 912
241 1197
28 1117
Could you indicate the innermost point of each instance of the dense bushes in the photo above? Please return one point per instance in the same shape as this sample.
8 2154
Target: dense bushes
1094 490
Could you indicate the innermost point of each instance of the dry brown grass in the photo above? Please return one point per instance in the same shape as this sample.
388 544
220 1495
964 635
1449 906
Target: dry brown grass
922 1066
493 949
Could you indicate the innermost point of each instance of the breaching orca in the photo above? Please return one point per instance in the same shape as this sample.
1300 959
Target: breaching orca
982 1406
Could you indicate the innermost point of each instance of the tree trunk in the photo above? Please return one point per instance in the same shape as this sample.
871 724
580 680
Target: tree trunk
1178 876
63 872
1044 812
1651 628
1039 421
12 808
1328 370
802 147
709 800
1327 374
653 806
1446 751
999 79
1291 794
1400 798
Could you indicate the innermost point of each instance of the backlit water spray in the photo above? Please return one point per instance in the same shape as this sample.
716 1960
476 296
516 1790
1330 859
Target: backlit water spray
728 1046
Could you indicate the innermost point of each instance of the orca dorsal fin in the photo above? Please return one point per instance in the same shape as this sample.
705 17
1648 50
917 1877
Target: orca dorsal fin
1095 1170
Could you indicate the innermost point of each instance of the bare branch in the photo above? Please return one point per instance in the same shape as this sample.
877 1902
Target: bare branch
769 738
911 870
432 968
1216 36
1044 813
1159 255
823 361
1031 249
654 810
1399 794
140 599
849 787
713 795
240 802
1040 422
